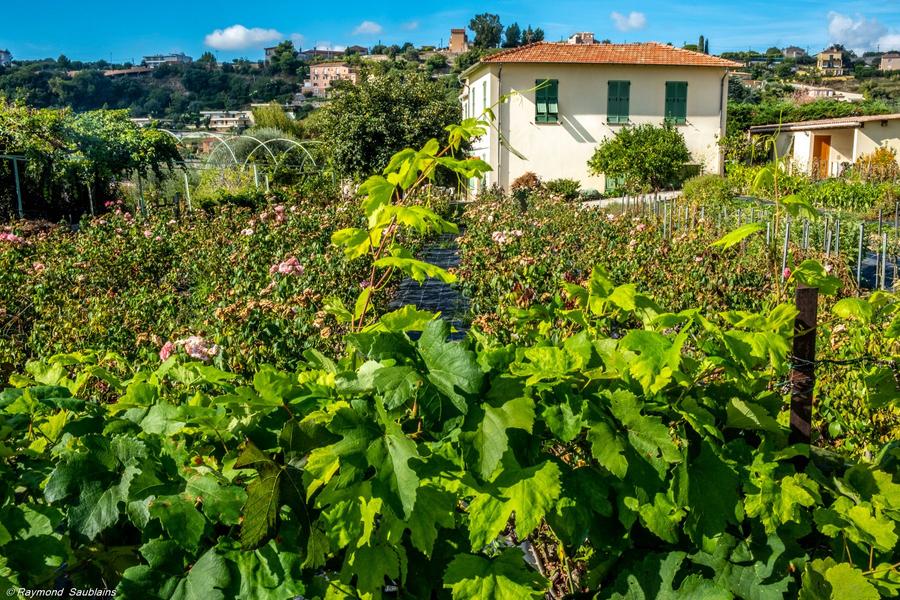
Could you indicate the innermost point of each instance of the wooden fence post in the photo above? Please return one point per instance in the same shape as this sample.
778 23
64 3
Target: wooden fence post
803 374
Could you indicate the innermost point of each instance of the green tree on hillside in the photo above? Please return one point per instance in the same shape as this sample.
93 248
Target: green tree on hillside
487 28
365 124
284 58
272 116
530 36
513 36
207 59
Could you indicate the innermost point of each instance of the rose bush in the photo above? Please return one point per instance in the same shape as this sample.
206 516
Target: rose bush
249 282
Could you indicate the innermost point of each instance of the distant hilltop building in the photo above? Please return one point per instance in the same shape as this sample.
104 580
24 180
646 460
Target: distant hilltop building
227 120
889 61
323 75
793 52
459 41
5 58
583 37
156 60
833 61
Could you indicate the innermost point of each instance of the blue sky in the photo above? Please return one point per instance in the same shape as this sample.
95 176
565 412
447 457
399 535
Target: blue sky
119 31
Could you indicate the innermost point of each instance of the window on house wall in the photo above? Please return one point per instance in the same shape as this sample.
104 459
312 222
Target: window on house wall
676 102
546 101
612 184
484 95
617 100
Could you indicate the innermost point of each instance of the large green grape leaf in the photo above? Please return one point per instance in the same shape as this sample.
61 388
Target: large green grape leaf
608 448
505 577
490 440
827 580
390 458
220 502
653 578
450 366
263 497
657 360
180 519
97 508
206 579
529 493
372 564
712 494
434 509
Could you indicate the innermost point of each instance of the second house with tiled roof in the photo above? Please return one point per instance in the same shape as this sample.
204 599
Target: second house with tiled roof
565 98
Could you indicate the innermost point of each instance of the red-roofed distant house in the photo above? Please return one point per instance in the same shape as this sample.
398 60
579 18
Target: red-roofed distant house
568 97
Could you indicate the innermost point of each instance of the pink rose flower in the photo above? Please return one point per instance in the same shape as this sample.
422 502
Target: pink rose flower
166 351
289 266
197 347
11 238
786 273
148 233
38 268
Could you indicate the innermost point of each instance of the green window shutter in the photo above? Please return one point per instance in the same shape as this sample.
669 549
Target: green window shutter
553 100
676 102
546 101
617 103
613 183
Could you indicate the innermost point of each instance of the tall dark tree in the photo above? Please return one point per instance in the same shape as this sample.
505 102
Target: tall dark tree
284 58
706 46
701 44
513 37
487 28
207 59
530 36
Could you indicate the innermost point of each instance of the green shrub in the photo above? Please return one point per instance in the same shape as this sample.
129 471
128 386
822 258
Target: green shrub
646 157
857 196
710 190
566 188
743 177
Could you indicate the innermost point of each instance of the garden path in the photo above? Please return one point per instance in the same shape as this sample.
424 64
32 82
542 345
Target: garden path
434 295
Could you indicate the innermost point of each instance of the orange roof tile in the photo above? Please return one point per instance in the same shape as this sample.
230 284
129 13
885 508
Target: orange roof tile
648 53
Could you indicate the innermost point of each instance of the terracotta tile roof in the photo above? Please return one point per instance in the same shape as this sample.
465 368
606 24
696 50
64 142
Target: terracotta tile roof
649 53
834 123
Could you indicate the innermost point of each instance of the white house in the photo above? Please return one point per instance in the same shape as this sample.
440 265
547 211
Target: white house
591 92
824 147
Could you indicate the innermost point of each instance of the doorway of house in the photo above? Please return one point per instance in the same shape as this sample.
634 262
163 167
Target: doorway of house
821 154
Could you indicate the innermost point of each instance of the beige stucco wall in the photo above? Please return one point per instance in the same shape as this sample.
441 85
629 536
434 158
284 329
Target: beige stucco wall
803 143
554 150
874 135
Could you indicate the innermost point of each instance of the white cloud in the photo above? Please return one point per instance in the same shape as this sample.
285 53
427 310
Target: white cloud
368 28
889 42
238 37
410 25
860 34
630 22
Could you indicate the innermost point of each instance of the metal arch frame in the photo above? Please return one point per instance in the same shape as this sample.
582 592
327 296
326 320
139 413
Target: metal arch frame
308 156
222 140
265 144
278 161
